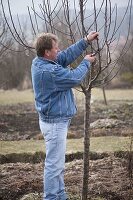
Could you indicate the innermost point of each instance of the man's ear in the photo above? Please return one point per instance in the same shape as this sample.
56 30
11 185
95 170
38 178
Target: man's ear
46 52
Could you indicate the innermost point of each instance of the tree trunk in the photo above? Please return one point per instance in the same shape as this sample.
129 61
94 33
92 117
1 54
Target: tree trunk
86 145
104 96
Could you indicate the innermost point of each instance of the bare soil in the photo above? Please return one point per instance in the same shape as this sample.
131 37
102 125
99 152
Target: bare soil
109 177
20 122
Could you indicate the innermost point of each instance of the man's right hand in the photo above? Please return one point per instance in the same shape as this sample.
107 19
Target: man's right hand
90 58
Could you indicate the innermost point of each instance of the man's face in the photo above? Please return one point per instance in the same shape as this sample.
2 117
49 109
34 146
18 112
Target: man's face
52 54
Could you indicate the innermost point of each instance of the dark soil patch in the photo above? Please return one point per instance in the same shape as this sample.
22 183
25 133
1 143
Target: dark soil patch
108 179
109 176
20 122
38 157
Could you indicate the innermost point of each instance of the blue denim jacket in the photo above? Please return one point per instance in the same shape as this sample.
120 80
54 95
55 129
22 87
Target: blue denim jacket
52 83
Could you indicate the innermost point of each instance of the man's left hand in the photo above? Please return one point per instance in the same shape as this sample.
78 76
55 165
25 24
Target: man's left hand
93 35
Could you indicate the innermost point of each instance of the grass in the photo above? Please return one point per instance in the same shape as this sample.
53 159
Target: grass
15 96
98 144
115 94
97 95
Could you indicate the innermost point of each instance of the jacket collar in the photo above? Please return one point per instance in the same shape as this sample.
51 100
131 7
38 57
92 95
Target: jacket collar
46 60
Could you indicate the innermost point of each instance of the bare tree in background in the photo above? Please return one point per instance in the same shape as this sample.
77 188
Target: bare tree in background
74 24
15 59
5 44
5 41
126 64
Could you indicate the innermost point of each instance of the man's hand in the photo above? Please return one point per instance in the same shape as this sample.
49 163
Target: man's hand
90 58
92 36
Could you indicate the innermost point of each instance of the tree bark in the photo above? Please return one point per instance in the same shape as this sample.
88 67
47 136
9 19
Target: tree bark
104 96
86 156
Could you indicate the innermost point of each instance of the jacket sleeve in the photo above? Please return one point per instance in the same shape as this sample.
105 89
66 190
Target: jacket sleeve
69 55
65 78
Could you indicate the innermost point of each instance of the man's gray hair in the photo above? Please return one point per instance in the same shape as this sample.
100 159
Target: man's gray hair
44 41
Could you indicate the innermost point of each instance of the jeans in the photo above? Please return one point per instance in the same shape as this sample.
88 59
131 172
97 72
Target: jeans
55 141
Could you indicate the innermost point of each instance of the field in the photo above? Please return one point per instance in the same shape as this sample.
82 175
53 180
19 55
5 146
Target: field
113 143
22 148
14 96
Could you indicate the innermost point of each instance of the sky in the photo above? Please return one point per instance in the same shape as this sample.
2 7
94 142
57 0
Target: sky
20 6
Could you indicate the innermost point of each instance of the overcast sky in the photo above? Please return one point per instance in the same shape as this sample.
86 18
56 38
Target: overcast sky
20 6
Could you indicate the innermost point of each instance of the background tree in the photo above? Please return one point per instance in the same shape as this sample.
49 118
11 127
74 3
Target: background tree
126 64
5 41
5 44
14 58
76 24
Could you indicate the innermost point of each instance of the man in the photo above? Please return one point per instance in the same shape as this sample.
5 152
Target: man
52 82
